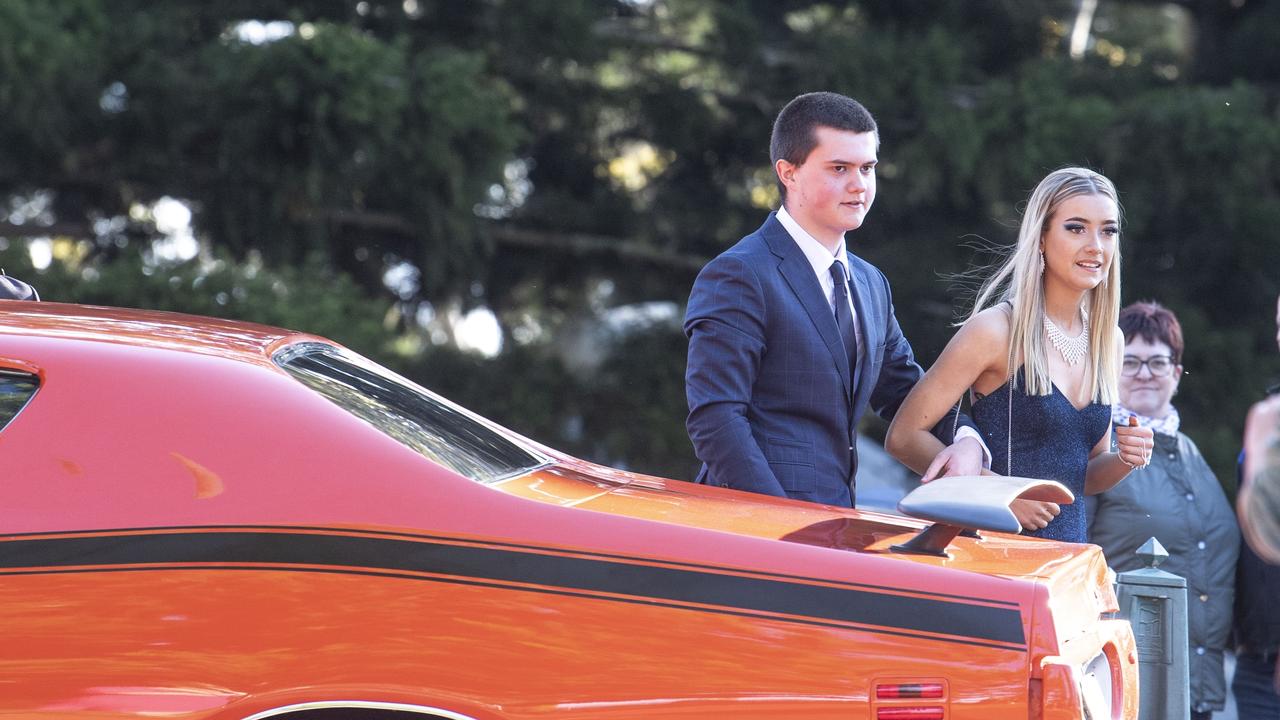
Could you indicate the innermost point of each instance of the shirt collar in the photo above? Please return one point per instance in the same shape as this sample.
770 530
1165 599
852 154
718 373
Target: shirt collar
815 252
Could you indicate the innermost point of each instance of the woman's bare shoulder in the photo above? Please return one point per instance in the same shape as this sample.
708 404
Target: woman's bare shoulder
982 341
989 327
983 344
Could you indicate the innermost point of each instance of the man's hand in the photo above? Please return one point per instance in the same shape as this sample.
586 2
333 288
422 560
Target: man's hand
1034 514
963 457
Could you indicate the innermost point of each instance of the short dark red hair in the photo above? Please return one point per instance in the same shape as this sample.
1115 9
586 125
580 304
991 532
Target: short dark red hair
1152 322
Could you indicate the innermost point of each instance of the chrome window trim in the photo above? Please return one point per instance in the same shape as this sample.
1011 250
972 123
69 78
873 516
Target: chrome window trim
290 352
20 375
360 705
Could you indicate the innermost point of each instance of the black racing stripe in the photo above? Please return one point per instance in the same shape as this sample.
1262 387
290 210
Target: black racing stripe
513 588
520 546
565 573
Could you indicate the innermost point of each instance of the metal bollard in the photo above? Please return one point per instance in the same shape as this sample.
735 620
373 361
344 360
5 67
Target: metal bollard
1155 604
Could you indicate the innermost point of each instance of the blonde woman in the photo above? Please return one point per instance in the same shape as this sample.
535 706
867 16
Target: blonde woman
1040 355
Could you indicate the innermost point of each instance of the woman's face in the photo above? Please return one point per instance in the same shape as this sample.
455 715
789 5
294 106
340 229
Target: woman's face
1144 391
1080 241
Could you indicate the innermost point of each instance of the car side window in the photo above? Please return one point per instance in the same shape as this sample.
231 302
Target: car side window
16 389
443 432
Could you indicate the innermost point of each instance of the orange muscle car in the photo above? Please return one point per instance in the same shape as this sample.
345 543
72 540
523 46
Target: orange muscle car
208 519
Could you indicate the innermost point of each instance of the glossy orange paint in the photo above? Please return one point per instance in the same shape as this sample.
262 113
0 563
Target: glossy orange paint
189 532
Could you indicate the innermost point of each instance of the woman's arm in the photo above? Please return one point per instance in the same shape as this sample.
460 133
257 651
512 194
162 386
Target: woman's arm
1107 469
1257 504
980 344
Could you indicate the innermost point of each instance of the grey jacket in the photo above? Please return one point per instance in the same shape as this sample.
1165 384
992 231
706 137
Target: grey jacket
1177 500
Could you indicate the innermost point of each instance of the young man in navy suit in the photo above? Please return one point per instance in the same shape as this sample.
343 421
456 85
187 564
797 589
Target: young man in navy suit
792 337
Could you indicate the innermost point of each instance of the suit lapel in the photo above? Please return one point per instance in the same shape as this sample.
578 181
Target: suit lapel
798 274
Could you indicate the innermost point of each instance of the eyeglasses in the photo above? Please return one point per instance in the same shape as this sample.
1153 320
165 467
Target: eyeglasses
1159 365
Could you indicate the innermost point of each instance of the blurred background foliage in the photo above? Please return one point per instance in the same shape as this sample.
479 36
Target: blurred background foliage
508 200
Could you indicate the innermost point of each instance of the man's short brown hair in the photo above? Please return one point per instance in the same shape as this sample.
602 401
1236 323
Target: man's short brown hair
793 135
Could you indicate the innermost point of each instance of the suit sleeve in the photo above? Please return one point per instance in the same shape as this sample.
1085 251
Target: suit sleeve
899 373
725 324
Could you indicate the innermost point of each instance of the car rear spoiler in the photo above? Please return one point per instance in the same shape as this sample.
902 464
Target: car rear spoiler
965 504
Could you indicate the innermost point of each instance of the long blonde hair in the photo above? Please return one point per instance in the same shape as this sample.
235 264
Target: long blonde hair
1019 281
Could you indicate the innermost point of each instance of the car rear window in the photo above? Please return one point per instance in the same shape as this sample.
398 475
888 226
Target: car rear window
16 388
443 432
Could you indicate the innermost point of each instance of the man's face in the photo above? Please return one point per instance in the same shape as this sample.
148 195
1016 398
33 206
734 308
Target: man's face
831 192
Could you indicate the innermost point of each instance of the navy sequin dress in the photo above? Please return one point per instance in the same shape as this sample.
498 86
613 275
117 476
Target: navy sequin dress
1051 441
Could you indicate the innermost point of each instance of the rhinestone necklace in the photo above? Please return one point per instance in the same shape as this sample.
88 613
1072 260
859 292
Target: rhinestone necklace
1073 349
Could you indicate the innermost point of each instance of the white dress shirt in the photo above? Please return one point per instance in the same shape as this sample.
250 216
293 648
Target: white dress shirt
820 258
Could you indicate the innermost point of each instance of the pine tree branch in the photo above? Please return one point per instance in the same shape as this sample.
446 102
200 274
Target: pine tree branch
582 244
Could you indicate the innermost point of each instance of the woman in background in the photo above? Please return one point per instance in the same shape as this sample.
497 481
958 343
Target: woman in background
1176 500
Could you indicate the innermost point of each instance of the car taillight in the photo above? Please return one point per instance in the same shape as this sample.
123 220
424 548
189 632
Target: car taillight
909 713
910 699
909 690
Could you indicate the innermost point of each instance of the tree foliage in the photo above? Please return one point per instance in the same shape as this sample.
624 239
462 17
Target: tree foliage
374 170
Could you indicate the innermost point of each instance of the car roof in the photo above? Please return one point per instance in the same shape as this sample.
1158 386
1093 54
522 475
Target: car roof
86 325
148 418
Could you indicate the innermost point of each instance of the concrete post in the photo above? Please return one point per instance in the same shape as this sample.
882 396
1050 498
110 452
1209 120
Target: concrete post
1155 604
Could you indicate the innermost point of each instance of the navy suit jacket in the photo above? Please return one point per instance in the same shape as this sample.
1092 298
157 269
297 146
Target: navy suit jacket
773 402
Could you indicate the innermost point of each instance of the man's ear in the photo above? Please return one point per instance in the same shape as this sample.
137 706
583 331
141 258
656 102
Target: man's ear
786 172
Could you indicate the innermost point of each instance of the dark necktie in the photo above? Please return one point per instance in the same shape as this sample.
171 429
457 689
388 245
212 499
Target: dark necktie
844 316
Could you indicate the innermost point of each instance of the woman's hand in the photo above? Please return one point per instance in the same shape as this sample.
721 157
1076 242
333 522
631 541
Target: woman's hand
1134 445
1034 514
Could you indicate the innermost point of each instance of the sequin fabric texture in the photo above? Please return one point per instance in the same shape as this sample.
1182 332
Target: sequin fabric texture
1051 440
